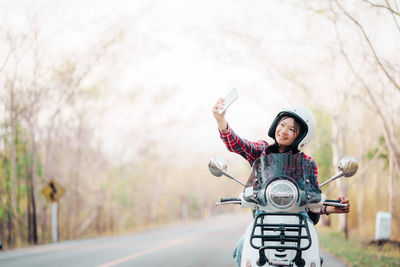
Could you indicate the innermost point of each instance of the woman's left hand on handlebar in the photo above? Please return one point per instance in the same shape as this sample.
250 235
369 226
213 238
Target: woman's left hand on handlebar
343 200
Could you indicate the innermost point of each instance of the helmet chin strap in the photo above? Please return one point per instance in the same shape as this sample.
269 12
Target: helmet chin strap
296 143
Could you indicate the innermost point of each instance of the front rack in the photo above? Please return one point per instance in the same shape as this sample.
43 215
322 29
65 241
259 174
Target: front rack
282 237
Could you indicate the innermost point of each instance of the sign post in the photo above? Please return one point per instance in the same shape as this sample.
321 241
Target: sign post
53 191
54 221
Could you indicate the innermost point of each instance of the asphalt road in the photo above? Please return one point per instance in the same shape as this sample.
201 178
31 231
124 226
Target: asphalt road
202 243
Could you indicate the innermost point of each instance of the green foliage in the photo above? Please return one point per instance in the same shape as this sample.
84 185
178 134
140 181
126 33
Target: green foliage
39 166
321 149
122 192
384 155
2 212
356 251
124 189
193 203
24 158
122 198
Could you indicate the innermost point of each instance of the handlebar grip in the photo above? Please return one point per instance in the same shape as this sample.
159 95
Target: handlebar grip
229 199
331 200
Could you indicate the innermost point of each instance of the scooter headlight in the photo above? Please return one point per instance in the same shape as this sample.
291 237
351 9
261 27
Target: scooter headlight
282 194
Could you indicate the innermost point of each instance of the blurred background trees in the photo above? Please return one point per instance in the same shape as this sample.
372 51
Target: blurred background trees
116 106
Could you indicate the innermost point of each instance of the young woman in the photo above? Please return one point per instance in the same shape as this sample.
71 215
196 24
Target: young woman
292 129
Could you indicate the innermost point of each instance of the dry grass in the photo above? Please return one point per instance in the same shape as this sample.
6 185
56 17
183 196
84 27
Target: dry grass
358 252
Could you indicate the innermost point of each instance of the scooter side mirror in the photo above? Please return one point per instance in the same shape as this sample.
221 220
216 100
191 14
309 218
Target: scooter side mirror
217 166
348 166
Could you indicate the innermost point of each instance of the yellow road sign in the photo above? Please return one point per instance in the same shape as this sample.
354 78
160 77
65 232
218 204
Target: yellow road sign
53 191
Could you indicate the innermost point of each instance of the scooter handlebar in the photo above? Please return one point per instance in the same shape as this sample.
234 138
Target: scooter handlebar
232 200
229 199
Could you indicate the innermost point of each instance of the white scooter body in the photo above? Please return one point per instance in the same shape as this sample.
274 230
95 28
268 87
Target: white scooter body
311 256
281 233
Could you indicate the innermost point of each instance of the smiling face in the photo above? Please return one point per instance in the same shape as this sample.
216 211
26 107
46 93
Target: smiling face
286 132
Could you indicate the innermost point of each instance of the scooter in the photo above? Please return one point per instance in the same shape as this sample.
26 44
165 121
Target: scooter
282 190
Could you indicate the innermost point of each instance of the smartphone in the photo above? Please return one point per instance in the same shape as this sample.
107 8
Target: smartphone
335 203
229 99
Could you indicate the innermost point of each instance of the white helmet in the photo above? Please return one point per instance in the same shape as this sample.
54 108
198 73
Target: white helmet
306 121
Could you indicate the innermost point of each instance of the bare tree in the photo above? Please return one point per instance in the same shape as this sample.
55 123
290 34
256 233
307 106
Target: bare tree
388 127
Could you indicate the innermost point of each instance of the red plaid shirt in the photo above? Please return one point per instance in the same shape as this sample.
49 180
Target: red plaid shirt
251 151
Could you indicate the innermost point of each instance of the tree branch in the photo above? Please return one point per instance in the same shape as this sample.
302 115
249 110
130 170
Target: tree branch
387 133
388 7
394 18
370 45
